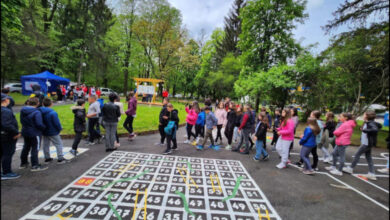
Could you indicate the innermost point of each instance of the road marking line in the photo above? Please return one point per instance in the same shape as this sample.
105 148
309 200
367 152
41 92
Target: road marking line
364 180
135 204
266 214
212 182
352 188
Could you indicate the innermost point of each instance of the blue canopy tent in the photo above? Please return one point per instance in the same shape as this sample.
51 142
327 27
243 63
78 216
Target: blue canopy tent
47 80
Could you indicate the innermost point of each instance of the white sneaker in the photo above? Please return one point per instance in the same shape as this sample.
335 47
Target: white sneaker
383 170
330 168
197 140
187 142
280 166
370 176
348 169
228 147
336 172
327 160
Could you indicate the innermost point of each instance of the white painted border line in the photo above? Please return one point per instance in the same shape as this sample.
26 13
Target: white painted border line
357 191
376 186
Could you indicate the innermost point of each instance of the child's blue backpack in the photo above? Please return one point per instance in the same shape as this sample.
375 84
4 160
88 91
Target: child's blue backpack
169 129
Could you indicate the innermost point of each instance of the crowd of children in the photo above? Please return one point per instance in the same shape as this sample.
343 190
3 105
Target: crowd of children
239 124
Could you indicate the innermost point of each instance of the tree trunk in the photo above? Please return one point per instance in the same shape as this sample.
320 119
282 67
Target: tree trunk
80 70
126 70
257 103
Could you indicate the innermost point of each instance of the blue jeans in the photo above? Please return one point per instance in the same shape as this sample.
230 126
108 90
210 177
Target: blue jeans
260 149
305 151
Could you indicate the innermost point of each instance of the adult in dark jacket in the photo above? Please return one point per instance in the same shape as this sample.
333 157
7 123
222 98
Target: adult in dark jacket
162 122
260 136
368 140
9 136
51 132
131 114
32 128
110 113
231 120
78 124
171 115
11 100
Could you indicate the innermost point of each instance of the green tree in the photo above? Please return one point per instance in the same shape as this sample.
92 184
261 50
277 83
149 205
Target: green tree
266 39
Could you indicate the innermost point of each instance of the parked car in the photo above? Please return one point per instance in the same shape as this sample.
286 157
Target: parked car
106 91
14 87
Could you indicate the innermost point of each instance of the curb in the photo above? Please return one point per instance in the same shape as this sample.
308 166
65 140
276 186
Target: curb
142 133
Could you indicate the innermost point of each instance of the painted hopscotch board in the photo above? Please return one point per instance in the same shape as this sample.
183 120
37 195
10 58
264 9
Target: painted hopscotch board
128 185
53 151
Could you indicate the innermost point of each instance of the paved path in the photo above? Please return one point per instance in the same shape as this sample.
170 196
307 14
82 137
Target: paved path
292 194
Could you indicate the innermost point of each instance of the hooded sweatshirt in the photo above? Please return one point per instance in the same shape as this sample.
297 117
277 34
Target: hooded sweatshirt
201 118
191 116
221 115
31 120
344 132
287 131
79 118
51 121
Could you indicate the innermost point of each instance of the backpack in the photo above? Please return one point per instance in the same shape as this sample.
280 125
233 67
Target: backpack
169 129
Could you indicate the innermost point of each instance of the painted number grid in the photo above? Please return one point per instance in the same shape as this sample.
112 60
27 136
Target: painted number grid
127 185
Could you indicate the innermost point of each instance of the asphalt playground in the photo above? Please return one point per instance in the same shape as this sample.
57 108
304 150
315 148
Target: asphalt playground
292 194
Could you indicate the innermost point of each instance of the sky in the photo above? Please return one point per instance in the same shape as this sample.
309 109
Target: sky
209 14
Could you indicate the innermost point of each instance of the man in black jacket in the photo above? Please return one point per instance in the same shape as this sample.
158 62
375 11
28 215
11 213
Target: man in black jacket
111 113
162 122
9 136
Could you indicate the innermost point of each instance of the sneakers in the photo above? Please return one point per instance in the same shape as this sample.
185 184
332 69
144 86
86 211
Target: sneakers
336 172
228 147
23 166
187 141
49 160
348 169
38 168
90 143
327 160
62 161
197 139
266 158
116 144
194 143
244 152
383 170
255 159
174 148
329 168
370 176
316 169
280 166
299 164
199 147
167 152
74 152
111 149
308 172
9 176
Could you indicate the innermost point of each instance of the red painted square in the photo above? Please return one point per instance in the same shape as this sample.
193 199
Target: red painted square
84 181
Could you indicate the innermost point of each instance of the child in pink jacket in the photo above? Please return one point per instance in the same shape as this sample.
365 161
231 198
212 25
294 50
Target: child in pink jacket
220 114
192 116
343 139
286 133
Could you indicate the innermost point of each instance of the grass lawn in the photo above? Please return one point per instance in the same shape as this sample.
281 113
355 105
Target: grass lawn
147 117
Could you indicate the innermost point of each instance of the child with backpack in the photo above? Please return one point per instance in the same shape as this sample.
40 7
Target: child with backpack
343 140
199 126
308 142
275 126
260 136
286 136
51 132
368 139
192 115
327 136
220 114
78 124
245 130
211 123
171 115
231 120
32 127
